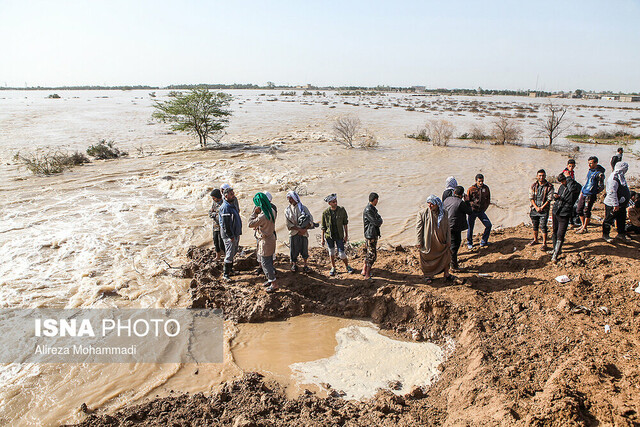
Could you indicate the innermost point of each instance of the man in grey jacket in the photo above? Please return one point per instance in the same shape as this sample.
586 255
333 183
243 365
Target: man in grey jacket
298 220
615 202
457 210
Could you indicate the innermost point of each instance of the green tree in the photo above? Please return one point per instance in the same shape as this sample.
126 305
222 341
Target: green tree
198 111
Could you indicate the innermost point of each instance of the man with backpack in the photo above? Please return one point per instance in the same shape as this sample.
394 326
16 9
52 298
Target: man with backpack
593 185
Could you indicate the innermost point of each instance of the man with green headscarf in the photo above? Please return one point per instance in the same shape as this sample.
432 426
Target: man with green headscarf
263 220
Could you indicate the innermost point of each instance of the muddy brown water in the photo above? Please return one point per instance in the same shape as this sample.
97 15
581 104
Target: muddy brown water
102 234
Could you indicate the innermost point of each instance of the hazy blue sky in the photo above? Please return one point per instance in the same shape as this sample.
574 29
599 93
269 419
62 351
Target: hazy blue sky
562 45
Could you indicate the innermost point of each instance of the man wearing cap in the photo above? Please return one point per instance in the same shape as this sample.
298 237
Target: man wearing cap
226 186
335 232
216 195
230 229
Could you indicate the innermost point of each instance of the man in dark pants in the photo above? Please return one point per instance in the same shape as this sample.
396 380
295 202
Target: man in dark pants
372 222
593 185
615 202
230 229
562 209
540 195
479 198
216 195
457 211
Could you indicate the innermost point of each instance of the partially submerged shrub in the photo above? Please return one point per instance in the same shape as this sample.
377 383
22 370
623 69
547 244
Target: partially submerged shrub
105 150
440 131
421 135
50 162
345 129
54 96
477 134
368 140
506 130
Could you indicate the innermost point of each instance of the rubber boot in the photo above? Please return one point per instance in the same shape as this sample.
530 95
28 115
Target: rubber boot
557 248
227 272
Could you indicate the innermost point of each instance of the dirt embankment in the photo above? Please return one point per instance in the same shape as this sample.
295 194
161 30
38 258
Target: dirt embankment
529 350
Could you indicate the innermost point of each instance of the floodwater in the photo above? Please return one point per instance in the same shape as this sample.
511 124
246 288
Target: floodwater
106 234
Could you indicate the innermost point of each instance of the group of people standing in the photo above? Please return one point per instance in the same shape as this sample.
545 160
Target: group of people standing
439 225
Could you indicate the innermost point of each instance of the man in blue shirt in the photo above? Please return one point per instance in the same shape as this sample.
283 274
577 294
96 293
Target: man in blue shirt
230 230
592 186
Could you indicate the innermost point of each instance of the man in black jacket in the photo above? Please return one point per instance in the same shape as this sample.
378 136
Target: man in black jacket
372 222
457 211
567 194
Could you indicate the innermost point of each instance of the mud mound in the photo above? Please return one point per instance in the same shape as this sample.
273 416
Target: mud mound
528 349
251 401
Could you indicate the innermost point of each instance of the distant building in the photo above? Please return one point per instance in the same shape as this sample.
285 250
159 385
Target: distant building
533 94
610 98
629 98
419 89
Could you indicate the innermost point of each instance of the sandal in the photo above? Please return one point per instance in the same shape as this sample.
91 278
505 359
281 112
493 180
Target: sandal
332 272
428 280
306 269
531 243
271 289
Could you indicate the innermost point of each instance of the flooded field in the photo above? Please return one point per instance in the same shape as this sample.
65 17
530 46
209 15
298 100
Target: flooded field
106 234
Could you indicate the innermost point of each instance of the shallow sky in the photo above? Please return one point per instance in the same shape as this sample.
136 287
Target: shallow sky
545 45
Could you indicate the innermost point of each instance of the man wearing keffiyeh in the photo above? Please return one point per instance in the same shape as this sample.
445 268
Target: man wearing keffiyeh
616 201
298 234
434 240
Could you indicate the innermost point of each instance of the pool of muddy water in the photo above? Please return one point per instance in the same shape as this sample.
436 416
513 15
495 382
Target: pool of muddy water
321 352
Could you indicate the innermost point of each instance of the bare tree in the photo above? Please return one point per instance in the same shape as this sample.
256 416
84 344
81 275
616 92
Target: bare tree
440 131
554 124
506 130
345 129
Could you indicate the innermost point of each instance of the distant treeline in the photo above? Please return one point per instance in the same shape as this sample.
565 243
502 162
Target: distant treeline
80 87
365 89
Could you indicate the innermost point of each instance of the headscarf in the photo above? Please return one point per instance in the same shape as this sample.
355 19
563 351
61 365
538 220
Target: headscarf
261 201
331 197
620 169
435 200
269 196
451 183
295 197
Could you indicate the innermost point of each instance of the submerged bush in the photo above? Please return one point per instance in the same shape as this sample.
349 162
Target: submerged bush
50 162
421 135
105 150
